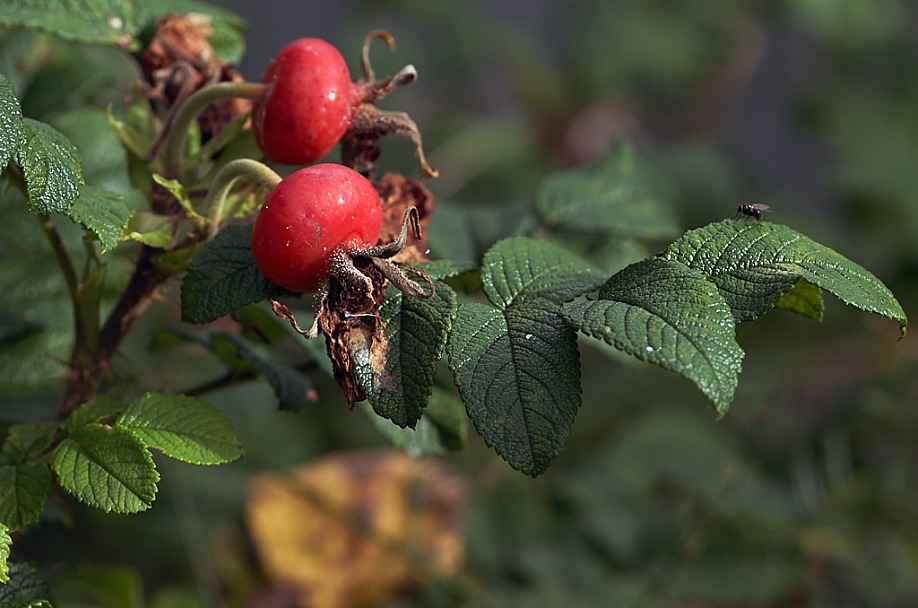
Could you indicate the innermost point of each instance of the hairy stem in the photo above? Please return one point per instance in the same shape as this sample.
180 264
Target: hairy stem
214 205
175 141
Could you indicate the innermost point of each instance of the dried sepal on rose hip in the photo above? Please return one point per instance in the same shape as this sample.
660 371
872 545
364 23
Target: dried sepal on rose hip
310 104
178 61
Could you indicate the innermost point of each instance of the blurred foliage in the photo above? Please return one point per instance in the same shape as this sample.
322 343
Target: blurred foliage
803 495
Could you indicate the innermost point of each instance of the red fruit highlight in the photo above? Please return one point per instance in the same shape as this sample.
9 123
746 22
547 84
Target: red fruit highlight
308 105
308 215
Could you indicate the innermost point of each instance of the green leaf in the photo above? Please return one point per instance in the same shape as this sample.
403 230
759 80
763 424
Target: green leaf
181 195
415 331
223 277
150 229
104 161
28 439
754 263
102 213
12 131
137 129
517 366
23 491
668 314
439 270
805 299
51 168
24 586
94 21
294 391
118 22
617 195
107 468
421 440
99 408
6 543
185 428
446 413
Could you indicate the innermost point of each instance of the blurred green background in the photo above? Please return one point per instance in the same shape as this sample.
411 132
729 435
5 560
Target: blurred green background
806 493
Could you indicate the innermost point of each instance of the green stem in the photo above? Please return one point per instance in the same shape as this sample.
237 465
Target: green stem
220 186
61 255
175 142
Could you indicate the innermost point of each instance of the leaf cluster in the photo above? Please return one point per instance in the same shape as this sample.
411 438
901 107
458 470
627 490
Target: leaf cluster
514 356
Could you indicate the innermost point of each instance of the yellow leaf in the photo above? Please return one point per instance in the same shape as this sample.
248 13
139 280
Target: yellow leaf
353 528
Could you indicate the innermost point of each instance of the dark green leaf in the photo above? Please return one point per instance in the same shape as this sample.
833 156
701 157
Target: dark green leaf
107 468
754 263
51 168
446 269
421 440
184 428
517 367
518 373
102 213
35 310
12 131
669 314
416 332
28 439
617 195
223 277
463 232
293 390
25 586
447 414
519 269
23 491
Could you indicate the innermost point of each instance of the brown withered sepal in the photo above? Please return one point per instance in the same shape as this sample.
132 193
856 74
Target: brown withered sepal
353 328
178 61
397 193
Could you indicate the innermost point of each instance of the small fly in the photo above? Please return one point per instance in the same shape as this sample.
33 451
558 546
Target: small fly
754 210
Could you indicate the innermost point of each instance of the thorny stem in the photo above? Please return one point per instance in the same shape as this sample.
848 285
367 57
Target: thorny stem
175 139
220 186
83 379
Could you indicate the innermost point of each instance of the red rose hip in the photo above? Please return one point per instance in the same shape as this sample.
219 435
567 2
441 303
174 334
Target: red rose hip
308 105
306 217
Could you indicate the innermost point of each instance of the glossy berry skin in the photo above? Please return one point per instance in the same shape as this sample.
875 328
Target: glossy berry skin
308 105
308 215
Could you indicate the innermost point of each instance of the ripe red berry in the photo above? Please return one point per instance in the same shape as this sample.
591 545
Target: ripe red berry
308 105
307 216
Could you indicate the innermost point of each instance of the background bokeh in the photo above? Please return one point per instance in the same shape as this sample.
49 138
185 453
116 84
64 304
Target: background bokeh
806 492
